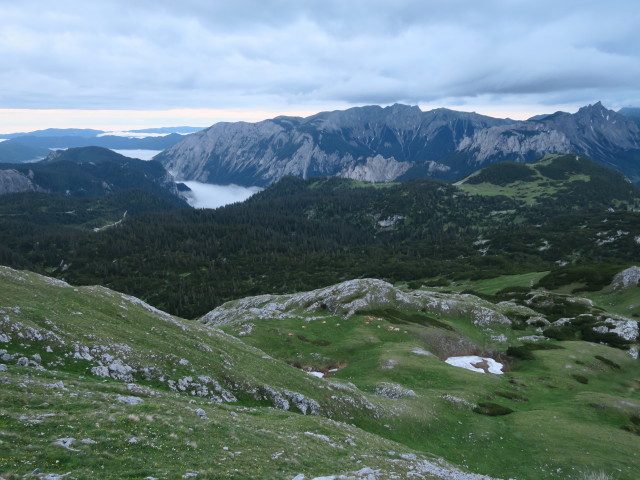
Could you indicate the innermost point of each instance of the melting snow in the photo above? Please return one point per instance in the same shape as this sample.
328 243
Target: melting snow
472 363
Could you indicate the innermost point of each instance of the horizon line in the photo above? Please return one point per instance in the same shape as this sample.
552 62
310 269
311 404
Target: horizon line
24 120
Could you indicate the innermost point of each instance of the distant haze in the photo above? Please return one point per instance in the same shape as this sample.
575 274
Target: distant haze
139 153
205 195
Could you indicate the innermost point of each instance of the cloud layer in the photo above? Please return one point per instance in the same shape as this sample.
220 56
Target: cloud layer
205 195
163 54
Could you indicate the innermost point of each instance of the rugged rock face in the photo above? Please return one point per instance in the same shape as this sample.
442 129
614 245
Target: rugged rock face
627 278
12 181
384 144
593 131
367 143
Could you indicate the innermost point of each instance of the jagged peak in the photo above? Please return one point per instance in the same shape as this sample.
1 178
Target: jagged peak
401 107
597 107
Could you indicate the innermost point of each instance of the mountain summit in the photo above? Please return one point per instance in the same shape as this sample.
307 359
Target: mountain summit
365 143
379 144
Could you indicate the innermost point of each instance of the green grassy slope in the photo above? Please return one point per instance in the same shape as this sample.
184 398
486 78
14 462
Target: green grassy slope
95 384
551 179
97 366
575 404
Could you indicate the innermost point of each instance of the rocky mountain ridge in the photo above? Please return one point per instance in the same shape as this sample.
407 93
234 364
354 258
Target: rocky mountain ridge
397 142
365 143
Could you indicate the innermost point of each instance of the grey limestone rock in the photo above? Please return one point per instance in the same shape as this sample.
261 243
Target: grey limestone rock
12 181
626 278
302 403
121 372
129 399
65 443
100 371
202 386
393 391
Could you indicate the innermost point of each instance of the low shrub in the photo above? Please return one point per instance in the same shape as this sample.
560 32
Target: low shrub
516 397
608 362
525 351
580 378
492 409
593 276
503 174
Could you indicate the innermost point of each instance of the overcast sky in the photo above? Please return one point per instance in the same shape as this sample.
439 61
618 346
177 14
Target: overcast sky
167 62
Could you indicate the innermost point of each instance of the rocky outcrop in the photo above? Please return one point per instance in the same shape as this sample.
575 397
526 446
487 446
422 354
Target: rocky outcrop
385 144
626 278
376 169
12 181
344 299
361 295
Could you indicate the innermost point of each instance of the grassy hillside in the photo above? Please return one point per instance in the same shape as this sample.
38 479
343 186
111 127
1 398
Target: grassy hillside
164 397
99 384
555 178
561 408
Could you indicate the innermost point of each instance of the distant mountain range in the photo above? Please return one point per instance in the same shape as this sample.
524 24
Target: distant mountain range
397 143
89 172
30 146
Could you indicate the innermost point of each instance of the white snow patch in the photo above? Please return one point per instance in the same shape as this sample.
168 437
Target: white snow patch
470 362
316 374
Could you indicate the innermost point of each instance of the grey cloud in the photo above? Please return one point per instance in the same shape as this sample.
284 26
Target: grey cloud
196 53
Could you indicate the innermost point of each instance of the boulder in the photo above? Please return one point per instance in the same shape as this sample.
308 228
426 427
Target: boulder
626 278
